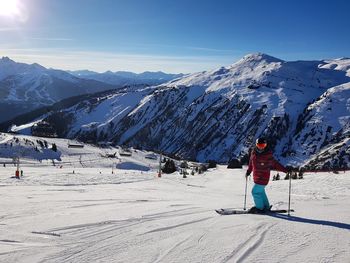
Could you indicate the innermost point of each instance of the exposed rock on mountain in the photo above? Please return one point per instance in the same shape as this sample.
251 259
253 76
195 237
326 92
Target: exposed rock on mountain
302 107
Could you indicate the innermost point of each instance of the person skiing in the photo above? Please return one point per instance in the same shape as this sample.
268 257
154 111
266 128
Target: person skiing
261 161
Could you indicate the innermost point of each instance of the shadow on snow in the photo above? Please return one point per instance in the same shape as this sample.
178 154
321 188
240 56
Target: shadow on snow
312 221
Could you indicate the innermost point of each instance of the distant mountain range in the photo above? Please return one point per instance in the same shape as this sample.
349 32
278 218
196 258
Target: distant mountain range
302 107
123 78
25 87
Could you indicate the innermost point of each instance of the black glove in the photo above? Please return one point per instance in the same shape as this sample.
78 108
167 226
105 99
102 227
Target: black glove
247 174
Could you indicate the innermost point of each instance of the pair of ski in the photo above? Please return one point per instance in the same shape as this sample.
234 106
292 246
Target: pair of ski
229 211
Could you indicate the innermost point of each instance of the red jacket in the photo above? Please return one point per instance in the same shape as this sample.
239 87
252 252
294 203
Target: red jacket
261 164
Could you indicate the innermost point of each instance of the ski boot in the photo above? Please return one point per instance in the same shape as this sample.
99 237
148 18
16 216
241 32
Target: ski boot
255 210
267 209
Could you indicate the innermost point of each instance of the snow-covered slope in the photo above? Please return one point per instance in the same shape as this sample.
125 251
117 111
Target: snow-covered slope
25 87
27 147
341 64
93 215
323 130
218 114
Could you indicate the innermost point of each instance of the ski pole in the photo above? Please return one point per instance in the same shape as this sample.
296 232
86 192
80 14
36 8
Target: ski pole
245 193
290 189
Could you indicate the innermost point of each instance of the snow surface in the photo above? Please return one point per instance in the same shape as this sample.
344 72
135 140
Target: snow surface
112 109
341 64
25 129
53 215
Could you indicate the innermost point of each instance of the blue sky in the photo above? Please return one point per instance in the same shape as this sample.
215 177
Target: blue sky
172 36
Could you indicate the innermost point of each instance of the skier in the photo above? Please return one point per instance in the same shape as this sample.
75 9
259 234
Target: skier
261 161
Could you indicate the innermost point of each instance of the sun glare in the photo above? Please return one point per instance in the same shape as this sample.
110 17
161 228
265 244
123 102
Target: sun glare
9 8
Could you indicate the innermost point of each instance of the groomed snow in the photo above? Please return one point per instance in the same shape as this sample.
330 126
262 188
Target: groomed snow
53 215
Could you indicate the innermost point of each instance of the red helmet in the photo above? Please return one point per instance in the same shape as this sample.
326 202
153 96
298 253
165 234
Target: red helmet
261 143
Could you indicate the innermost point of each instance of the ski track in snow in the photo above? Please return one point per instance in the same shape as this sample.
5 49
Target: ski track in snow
247 247
52 215
100 232
176 246
179 225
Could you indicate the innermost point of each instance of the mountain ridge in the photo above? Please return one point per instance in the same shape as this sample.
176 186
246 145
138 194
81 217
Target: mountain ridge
128 78
218 114
25 87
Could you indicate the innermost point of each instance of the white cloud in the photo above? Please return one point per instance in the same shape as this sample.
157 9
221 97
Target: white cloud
50 38
9 29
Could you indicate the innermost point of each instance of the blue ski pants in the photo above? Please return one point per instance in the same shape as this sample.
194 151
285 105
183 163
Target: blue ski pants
260 197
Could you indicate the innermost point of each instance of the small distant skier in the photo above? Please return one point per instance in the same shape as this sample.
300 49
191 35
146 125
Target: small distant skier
277 176
261 161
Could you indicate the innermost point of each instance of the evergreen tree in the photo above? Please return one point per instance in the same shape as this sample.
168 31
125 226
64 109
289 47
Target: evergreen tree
212 164
169 167
184 164
54 147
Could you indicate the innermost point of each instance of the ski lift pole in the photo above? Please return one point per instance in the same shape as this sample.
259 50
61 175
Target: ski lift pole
17 169
290 190
160 165
245 193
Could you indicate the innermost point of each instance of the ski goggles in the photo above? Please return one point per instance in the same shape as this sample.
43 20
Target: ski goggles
261 146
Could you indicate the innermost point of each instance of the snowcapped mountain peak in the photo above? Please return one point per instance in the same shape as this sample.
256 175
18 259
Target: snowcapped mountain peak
38 66
9 67
340 64
13 67
251 69
5 59
342 58
260 57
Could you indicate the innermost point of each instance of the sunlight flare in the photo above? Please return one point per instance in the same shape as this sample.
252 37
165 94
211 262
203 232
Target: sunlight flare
13 10
9 8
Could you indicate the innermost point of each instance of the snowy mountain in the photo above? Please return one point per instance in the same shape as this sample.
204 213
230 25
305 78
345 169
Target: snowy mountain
302 107
123 78
323 130
24 87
